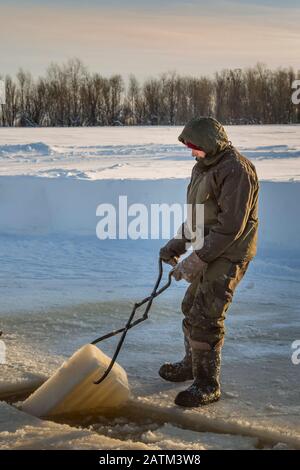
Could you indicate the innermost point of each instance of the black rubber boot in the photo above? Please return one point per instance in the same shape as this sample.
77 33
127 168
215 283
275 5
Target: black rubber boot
206 386
179 371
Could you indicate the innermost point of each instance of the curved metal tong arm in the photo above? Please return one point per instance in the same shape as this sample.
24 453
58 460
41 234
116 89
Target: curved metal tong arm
155 293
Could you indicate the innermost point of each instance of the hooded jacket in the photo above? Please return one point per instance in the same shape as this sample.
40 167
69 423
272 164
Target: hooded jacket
226 183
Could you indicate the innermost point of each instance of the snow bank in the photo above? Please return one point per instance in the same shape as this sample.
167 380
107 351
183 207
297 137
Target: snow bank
52 180
31 205
29 150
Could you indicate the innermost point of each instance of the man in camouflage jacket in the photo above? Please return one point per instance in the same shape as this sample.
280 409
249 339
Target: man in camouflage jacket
225 182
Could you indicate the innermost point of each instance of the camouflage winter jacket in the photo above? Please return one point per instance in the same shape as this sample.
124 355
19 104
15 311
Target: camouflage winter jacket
226 183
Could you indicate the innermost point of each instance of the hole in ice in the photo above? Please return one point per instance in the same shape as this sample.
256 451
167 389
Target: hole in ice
138 423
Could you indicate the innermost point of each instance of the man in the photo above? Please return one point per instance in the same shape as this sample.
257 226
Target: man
226 183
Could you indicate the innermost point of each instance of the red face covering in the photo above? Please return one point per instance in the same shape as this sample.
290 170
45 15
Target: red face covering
192 146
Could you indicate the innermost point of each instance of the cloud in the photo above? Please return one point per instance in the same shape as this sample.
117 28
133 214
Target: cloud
127 41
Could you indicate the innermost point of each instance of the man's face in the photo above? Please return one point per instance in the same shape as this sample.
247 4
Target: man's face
198 153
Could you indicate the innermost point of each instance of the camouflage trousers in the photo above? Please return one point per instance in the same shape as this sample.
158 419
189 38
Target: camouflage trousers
207 299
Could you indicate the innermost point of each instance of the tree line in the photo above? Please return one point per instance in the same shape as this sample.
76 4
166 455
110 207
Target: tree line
69 95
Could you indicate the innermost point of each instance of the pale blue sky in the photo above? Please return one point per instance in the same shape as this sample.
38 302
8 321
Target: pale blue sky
147 38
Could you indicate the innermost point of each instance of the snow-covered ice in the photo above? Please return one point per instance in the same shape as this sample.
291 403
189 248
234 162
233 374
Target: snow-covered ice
61 287
138 152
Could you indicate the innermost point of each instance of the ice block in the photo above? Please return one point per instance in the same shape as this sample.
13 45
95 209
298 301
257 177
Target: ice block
71 389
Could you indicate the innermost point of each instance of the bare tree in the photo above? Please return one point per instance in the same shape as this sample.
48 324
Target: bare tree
152 101
68 95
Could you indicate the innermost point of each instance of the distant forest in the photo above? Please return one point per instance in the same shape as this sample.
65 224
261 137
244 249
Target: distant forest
69 95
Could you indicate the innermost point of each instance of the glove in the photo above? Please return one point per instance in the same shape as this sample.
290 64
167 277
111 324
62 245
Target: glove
173 250
189 268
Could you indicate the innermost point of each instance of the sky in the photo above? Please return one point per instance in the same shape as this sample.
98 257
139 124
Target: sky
147 38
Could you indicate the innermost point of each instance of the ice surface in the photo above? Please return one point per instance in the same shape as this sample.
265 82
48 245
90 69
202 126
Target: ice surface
61 287
170 436
71 389
18 430
219 418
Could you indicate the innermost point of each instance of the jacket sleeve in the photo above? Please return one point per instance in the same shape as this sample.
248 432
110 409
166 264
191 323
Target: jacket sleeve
235 202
